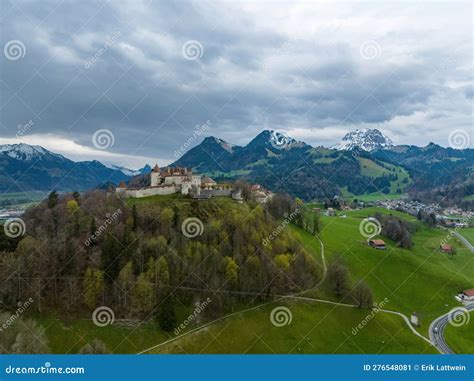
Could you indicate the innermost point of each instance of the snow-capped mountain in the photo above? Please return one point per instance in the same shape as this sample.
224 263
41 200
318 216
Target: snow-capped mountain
225 145
365 139
26 167
124 170
27 152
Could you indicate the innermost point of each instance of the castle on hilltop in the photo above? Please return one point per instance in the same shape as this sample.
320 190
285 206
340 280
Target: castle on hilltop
179 180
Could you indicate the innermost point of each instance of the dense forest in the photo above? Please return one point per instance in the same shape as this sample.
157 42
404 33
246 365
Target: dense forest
141 260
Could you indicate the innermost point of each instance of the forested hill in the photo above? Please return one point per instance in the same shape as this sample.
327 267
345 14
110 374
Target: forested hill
84 251
317 172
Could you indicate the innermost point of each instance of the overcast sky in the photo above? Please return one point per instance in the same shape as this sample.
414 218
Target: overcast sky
151 71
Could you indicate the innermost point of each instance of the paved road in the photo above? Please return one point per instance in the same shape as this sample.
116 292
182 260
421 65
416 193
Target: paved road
437 331
463 240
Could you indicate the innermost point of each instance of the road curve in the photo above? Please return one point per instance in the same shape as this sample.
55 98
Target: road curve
463 240
436 331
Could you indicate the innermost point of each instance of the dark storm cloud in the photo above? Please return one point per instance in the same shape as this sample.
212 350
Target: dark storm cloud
119 65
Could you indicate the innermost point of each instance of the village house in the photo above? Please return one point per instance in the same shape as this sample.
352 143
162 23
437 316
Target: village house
377 244
445 248
467 295
260 194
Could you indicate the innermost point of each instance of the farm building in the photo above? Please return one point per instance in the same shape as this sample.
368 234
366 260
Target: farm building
445 248
377 244
468 294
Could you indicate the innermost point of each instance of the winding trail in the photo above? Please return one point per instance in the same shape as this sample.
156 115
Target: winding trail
297 296
279 297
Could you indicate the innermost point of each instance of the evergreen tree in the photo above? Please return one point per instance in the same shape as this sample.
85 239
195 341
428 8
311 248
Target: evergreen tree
167 315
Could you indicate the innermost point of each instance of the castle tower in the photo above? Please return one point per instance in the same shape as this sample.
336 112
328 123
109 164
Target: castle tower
155 176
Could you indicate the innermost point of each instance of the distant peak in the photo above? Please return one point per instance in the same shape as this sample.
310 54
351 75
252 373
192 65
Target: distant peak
23 151
222 143
365 139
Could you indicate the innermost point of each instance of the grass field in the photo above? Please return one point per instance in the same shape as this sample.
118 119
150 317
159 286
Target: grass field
461 339
467 233
314 328
421 279
70 335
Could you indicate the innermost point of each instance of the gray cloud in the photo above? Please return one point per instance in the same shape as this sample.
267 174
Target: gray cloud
291 66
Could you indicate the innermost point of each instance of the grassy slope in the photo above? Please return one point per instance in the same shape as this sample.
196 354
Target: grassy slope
69 336
372 169
467 233
421 279
315 328
461 339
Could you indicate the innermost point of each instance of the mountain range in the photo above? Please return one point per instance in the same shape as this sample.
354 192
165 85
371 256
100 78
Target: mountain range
25 167
365 162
